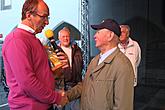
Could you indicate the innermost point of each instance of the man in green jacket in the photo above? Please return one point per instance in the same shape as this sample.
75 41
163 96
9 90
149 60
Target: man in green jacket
108 82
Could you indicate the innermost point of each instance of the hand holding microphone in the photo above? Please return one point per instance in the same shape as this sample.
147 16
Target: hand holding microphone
61 57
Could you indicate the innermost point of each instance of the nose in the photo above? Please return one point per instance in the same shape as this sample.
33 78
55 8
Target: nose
46 21
65 37
95 36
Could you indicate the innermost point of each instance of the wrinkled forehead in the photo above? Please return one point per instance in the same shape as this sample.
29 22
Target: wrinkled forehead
104 30
64 33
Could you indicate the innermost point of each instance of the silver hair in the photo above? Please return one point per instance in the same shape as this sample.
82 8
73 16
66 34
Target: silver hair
125 26
65 29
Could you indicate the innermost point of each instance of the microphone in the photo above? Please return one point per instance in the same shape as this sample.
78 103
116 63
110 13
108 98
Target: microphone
49 34
54 61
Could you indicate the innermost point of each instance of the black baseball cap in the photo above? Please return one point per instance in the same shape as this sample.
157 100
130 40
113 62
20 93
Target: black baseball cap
109 24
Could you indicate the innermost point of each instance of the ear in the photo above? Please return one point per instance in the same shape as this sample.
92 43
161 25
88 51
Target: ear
111 35
28 14
58 37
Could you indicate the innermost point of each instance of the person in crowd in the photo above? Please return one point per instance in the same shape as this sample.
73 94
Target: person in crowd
130 48
29 76
108 82
73 74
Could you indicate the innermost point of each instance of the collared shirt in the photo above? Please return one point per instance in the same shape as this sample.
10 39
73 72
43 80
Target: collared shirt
25 27
106 54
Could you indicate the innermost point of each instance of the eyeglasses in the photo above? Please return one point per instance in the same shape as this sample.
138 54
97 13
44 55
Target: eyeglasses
44 17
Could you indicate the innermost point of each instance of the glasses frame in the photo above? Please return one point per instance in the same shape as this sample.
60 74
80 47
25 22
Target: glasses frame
44 17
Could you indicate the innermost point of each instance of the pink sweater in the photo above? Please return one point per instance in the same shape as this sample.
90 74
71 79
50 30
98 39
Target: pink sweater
28 74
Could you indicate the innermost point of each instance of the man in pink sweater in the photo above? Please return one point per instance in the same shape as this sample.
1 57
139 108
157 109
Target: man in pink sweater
28 74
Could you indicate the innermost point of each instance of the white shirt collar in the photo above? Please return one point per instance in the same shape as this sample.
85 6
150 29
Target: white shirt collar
130 43
106 54
25 27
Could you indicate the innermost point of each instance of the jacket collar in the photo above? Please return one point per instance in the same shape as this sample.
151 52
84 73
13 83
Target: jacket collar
106 61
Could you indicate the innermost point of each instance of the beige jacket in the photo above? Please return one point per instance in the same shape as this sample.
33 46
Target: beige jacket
107 86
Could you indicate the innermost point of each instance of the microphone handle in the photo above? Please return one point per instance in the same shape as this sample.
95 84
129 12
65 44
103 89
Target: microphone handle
53 43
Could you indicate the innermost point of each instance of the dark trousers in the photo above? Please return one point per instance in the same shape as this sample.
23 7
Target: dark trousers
51 108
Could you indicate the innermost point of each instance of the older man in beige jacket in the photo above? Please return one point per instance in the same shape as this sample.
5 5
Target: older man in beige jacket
108 83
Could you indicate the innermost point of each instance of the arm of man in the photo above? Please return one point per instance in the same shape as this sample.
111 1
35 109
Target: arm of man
20 61
138 56
74 92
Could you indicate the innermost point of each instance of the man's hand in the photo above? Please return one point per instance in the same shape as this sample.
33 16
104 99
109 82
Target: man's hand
63 59
64 99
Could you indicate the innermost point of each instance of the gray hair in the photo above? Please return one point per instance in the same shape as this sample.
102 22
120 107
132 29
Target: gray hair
125 26
64 29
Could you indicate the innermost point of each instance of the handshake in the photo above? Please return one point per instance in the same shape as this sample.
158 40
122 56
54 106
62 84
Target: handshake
64 100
